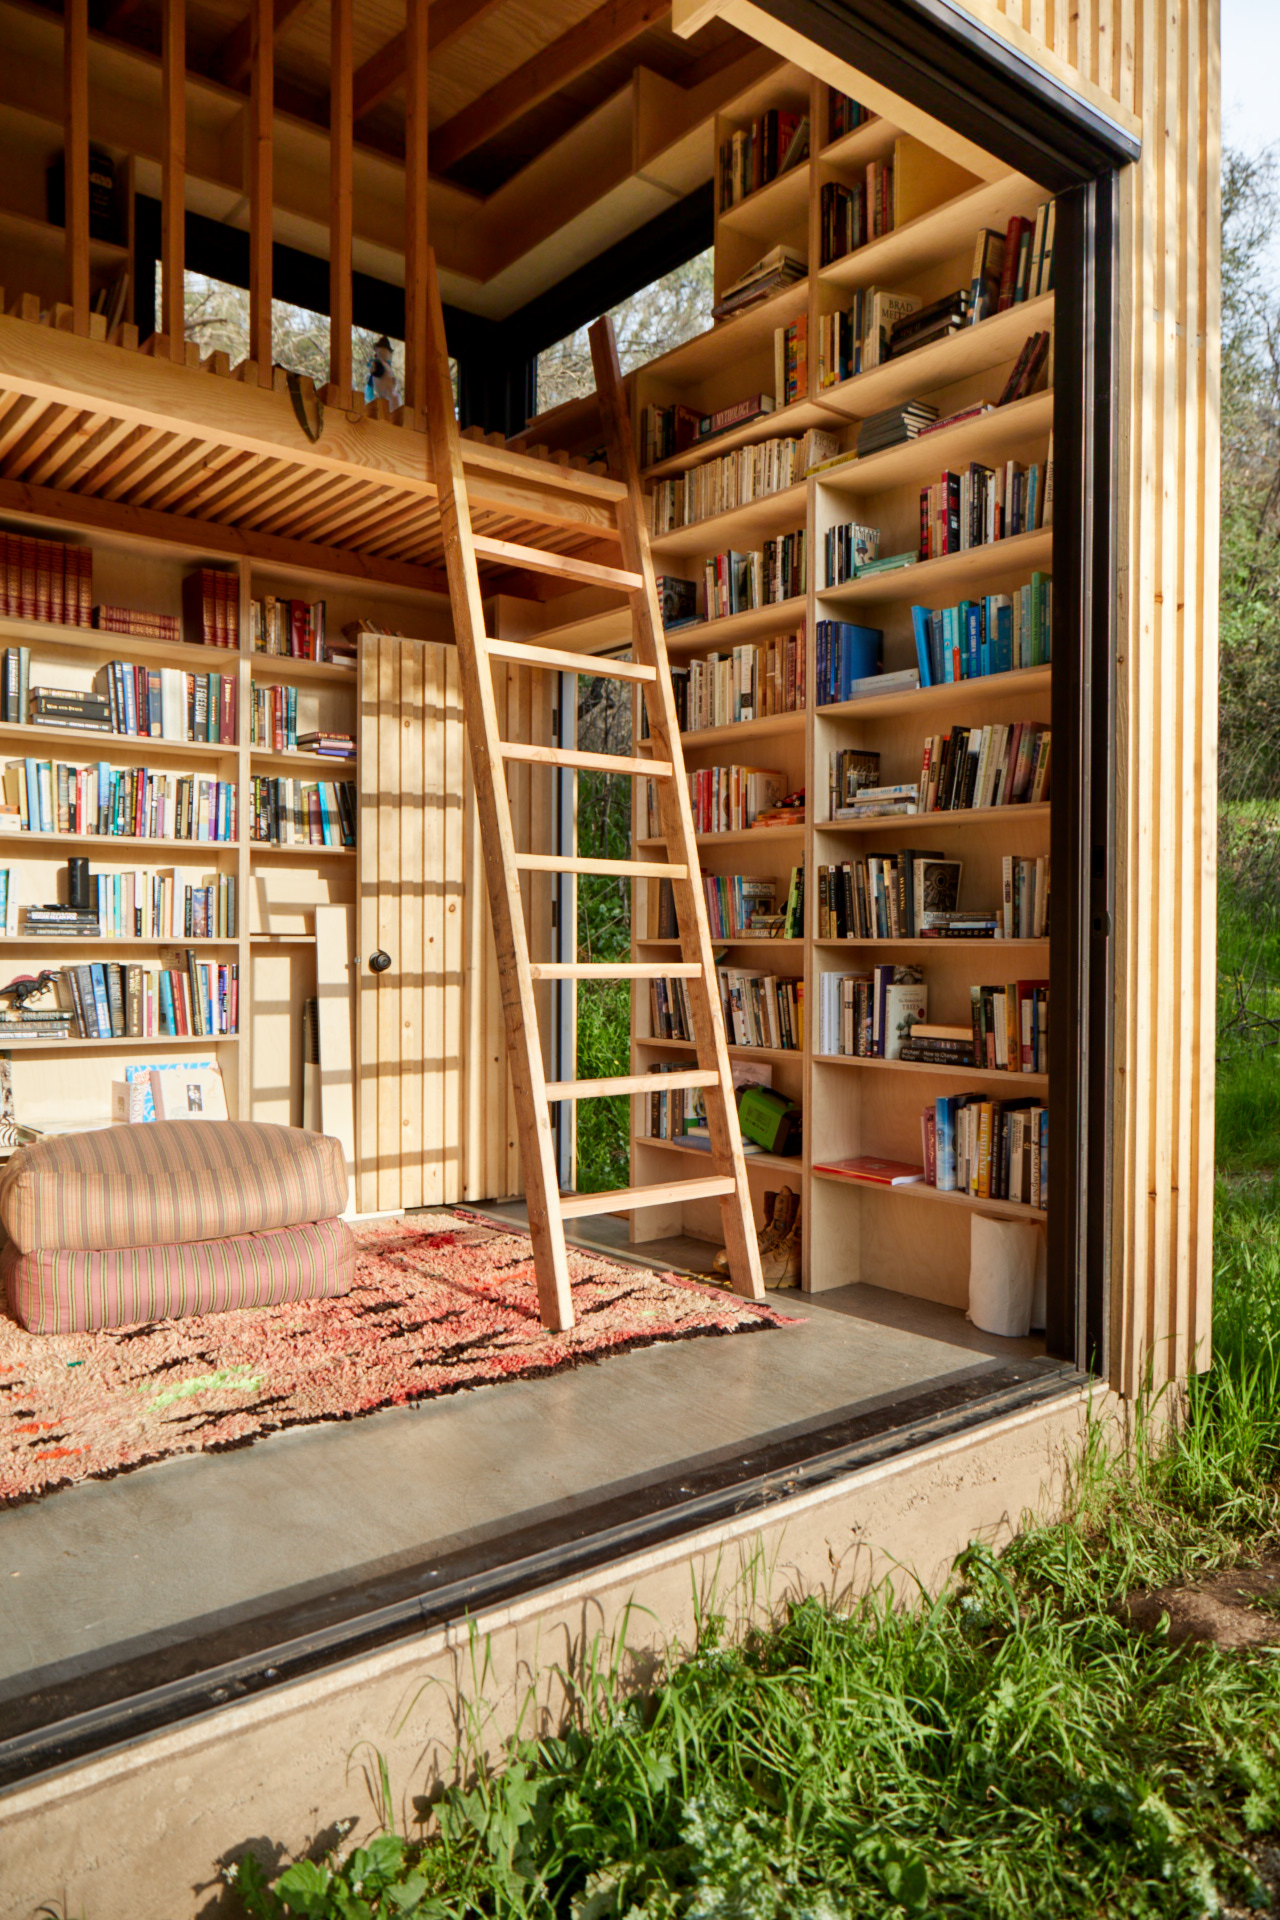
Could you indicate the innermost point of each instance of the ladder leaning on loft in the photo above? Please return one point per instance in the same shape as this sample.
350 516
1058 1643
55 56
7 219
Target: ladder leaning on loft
504 863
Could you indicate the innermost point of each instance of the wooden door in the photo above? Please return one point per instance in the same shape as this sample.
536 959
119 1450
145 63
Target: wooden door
410 922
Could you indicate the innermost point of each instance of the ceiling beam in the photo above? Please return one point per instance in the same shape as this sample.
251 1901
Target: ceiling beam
230 63
574 53
384 70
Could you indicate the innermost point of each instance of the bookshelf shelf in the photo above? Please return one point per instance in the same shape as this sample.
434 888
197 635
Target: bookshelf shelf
952 946
929 579
768 726
739 837
182 852
787 422
686 365
920 461
934 237
295 761
1037 810
48 636
972 1203
108 746
988 688
767 1162
873 140
30 234
943 363
781 944
772 209
278 666
1029 1082
780 616
298 850
89 945
738 1052
757 519
187 1042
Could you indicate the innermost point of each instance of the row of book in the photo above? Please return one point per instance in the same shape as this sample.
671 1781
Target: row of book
670 1111
991 1149
736 478
736 582
847 660
45 580
762 1009
211 607
1005 764
1015 265
849 216
914 894
868 1015
981 505
160 703
669 430
750 683
307 813
739 907
758 152
882 1013
136 904
297 630
54 796
779 268
791 361
273 718
139 624
1001 633
727 799
844 114
109 1000
850 551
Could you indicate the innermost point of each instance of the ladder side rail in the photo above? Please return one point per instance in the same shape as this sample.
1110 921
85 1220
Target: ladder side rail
676 815
528 1079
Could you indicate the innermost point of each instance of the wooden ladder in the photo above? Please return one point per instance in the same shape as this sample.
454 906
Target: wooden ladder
504 863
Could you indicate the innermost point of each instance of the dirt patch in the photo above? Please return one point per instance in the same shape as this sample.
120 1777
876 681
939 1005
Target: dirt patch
1237 1608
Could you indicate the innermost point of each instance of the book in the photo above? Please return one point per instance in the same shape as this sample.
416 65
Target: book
875 1171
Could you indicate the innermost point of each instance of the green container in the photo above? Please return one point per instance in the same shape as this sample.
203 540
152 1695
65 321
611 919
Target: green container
770 1119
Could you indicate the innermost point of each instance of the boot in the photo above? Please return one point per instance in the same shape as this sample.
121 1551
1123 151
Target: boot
720 1265
781 1263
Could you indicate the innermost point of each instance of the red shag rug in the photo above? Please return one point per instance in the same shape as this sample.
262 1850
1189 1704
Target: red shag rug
437 1306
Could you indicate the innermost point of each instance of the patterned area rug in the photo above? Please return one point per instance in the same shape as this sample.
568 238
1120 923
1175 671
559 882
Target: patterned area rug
441 1305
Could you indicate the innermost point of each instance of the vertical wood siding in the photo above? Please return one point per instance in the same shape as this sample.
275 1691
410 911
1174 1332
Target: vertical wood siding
1160 61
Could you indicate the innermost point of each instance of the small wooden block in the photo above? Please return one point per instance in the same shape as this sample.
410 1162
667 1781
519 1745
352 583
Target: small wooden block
474 433
279 380
156 346
63 318
340 397
192 352
97 326
127 336
217 362
246 372
26 307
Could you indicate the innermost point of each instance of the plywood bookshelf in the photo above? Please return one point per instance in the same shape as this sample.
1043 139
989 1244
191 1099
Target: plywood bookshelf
913 1238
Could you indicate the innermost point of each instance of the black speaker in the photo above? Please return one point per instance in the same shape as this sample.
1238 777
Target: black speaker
78 883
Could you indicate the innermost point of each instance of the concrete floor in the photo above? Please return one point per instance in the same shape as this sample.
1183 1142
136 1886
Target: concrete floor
116 1570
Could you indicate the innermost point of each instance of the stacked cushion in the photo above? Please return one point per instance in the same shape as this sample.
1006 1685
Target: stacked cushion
137 1223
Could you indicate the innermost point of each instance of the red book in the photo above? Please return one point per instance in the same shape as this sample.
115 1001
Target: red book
1009 271
876 1172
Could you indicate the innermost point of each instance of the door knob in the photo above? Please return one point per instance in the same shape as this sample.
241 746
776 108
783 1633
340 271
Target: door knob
379 961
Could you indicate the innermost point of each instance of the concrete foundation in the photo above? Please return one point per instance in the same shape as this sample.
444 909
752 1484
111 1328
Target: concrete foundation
143 1832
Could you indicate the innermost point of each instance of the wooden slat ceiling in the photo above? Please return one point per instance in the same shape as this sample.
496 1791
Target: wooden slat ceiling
494 41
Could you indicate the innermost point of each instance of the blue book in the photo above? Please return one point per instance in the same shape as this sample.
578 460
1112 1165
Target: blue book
101 1005
948 645
861 654
936 655
167 1022
945 1142
973 640
1003 651
33 795
920 627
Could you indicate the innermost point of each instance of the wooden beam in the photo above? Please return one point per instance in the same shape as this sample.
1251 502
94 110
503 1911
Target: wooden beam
232 61
415 210
384 71
173 178
340 201
75 134
575 52
261 185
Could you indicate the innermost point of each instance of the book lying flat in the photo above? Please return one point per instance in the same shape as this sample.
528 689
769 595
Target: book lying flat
879 1173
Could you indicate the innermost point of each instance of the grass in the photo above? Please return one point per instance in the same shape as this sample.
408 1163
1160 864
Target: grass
1010 1749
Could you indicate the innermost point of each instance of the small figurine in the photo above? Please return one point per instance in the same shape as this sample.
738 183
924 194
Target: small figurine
380 382
28 987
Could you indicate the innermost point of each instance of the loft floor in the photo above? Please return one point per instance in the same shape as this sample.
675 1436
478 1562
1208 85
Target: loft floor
239 1550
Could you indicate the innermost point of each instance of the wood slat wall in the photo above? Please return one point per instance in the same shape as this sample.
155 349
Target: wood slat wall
1161 62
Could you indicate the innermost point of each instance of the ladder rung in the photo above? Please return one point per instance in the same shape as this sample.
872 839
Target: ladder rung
628 1083
567 565
614 970
631 1199
560 660
614 869
526 751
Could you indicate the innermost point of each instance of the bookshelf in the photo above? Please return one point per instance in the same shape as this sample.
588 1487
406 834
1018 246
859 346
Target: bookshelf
912 1238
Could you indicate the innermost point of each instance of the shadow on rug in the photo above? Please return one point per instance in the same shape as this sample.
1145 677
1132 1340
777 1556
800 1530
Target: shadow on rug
436 1307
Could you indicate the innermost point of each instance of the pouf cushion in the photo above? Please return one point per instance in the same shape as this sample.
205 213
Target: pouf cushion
61 1291
167 1183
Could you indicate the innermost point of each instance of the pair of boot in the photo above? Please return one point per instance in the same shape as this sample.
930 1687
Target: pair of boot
778 1240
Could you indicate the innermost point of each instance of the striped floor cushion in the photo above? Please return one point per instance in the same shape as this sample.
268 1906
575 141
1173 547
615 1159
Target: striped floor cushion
169 1182
59 1290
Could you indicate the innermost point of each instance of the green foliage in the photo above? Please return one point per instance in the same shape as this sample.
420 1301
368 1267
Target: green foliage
1248 1009
604 933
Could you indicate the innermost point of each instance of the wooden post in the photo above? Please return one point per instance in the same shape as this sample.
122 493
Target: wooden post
261 102
340 215
173 323
75 115
415 211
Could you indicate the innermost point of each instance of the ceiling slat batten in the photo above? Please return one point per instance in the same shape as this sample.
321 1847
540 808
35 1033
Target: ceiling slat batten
340 207
173 183
261 184
75 114
415 210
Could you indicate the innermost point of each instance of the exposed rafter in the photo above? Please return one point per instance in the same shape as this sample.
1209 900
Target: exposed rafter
575 52
230 63
384 70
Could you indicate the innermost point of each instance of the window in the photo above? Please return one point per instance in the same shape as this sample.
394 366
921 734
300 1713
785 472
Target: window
652 321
